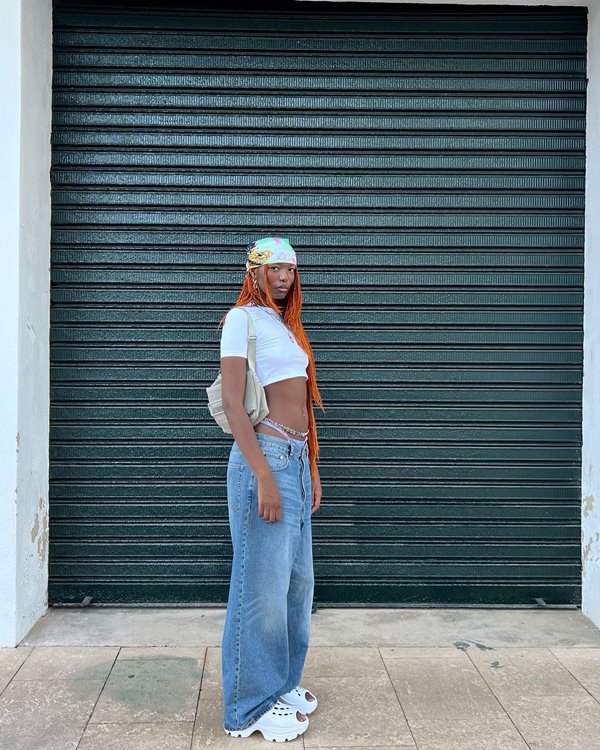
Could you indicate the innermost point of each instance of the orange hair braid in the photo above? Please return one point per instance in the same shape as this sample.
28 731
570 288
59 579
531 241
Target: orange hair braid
291 317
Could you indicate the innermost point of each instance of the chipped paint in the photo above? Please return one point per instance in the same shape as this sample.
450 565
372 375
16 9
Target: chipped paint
36 528
588 505
586 551
42 544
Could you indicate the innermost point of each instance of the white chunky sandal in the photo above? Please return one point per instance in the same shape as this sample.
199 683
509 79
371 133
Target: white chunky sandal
297 699
279 724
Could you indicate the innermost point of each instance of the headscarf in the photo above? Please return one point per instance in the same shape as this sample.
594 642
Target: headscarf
269 250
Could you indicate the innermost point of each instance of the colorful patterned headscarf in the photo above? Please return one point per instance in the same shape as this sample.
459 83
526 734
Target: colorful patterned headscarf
269 250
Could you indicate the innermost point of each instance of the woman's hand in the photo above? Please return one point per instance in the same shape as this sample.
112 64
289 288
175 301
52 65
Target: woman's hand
269 499
316 492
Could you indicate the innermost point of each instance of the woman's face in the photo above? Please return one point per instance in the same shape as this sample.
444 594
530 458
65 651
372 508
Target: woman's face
280 277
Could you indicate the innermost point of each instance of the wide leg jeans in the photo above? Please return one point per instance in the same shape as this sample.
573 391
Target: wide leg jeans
266 633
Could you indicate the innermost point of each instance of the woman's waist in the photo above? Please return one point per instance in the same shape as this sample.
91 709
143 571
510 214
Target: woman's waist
296 419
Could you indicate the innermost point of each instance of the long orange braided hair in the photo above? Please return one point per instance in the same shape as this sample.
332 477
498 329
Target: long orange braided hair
250 294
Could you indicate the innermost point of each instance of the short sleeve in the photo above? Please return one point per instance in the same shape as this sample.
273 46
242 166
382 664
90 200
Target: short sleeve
234 334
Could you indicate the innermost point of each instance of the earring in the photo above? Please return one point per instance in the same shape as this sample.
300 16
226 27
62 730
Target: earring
254 283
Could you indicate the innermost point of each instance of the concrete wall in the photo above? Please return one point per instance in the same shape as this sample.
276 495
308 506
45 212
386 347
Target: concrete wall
26 64
590 512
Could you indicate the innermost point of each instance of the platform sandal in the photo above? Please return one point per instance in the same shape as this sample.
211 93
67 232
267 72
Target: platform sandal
296 699
279 724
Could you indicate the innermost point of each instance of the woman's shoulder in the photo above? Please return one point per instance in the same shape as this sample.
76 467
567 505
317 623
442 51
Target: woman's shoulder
237 313
241 312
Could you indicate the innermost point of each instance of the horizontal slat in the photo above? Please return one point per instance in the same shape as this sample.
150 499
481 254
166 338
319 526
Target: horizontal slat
373 19
202 377
389 337
207 431
355 242
220 549
334 593
292 180
226 159
408 512
323 62
316 319
336 491
344 452
320 201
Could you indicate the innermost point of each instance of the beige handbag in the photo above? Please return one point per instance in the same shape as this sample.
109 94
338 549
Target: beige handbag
255 399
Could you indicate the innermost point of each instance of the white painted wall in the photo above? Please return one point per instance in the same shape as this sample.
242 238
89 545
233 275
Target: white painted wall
26 65
10 82
590 480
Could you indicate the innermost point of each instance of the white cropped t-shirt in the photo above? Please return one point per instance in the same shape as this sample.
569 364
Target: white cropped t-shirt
278 354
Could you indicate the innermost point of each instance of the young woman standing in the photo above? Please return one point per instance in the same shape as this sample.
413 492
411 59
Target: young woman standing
273 487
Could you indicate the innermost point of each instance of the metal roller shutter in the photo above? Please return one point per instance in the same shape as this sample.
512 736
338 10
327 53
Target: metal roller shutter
428 163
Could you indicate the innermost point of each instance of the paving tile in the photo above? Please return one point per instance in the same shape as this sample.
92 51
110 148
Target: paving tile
151 685
525 671
491 733
557 722
208 730
212 666
584 665
10 661
46 715
62 663
414 652
359 662
171 736
356 713
449 689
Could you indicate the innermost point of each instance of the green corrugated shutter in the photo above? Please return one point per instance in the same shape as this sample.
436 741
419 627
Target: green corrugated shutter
428 163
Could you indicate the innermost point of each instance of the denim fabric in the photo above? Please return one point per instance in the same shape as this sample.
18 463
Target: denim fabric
267 624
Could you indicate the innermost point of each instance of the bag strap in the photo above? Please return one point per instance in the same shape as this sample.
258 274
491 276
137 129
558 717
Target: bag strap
251 342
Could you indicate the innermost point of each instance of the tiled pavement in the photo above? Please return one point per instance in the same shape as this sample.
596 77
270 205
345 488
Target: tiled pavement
464 696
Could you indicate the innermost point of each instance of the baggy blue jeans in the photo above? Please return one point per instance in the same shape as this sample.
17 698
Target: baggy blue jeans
267 625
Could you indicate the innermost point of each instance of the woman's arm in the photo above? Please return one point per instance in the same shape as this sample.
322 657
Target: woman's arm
316 492
233 386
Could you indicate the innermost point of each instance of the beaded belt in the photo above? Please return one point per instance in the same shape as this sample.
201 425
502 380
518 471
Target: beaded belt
275 425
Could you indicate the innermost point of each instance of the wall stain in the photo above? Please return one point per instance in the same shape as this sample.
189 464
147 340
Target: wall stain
43 539
36 527
588 505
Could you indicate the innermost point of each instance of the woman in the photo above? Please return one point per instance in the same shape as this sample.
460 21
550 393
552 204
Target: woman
273 487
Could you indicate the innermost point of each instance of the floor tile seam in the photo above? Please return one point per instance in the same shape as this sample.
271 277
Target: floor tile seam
16 672
89 718
574 676
397 698
499 701
199 697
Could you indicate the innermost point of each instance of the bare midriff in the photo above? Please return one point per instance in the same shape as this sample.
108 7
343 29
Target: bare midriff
287 405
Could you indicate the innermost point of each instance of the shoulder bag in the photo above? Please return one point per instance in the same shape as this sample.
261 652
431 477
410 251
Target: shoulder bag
255 399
